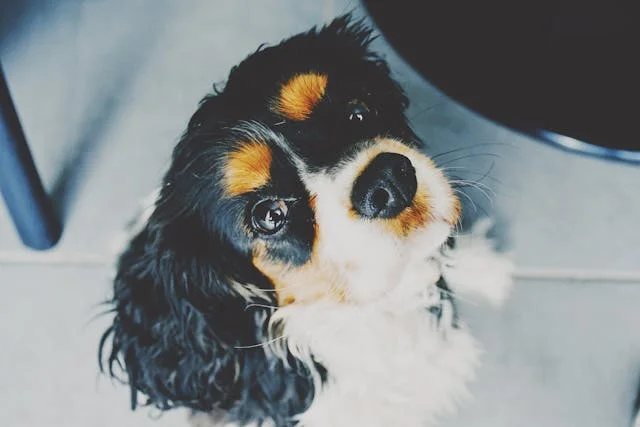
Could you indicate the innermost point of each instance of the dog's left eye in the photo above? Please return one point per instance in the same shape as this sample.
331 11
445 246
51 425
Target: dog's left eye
269 216
357 111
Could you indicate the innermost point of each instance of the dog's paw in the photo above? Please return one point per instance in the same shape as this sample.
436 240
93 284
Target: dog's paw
474 266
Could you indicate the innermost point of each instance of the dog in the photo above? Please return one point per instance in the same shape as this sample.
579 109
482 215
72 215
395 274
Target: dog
300 262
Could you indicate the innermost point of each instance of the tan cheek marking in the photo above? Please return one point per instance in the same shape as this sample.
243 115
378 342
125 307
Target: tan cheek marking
456 207
456 211
313 201
247 168
310 282
299 96
412 218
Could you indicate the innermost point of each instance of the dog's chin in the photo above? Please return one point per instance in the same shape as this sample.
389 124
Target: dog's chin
400 278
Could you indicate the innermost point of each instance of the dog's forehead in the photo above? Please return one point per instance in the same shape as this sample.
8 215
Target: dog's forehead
303 89
294 74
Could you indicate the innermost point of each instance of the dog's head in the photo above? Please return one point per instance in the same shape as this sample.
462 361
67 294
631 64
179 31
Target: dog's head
300 182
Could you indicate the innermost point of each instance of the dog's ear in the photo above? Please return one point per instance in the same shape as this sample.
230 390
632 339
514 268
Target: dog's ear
185 332
209 110
348 33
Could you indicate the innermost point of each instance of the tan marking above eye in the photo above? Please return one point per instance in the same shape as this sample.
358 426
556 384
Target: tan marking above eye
299 95
247 168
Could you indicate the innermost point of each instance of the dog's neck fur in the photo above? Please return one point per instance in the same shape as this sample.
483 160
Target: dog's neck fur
403 361
393 362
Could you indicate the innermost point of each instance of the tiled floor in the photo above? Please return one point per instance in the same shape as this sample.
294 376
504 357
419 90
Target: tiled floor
104 89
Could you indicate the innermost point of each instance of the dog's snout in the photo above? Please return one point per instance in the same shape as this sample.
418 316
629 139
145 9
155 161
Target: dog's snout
386 186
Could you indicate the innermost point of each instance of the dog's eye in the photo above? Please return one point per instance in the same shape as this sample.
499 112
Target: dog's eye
269 216
357 111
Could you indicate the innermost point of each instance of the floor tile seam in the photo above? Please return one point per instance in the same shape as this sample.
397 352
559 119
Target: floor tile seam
98 260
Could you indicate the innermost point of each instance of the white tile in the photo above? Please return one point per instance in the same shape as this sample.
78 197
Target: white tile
559 354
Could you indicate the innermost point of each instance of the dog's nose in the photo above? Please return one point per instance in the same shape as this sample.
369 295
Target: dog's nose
386 186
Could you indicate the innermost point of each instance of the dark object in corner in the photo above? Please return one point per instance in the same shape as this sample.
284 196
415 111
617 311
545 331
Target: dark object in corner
566 72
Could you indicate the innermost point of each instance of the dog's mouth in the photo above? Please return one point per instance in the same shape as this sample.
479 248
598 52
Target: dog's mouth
378 220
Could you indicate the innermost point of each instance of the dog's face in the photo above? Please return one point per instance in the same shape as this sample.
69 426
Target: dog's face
300 182
343 231
328 193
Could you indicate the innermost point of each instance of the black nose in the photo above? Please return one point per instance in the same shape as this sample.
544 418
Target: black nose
385 187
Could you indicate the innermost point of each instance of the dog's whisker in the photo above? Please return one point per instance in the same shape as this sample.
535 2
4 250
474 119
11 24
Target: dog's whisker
483 175
486 174
469 156
248 306
462 193
448 168
457 150
458 225
469 182
264 344
476 185
476 206
480 187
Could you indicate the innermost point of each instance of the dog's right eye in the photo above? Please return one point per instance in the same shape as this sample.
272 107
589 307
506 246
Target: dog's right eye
357 111
269 216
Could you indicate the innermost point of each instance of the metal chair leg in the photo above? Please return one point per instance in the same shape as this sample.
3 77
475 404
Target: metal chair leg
28 204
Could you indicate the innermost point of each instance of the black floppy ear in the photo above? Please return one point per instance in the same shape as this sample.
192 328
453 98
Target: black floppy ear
209 109
177 322
183 331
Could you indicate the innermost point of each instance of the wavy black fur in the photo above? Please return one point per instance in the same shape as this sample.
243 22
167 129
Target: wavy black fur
178 322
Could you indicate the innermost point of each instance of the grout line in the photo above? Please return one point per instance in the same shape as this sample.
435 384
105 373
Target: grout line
53 258
524 273
532 273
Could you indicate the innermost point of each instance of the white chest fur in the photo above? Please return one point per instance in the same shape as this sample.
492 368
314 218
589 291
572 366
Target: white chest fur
391 363
384 368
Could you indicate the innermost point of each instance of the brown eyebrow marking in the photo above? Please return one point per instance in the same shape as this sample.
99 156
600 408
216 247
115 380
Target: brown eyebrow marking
300 94
247 168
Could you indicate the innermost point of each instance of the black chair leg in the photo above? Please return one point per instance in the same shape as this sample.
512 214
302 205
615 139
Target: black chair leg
28 204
